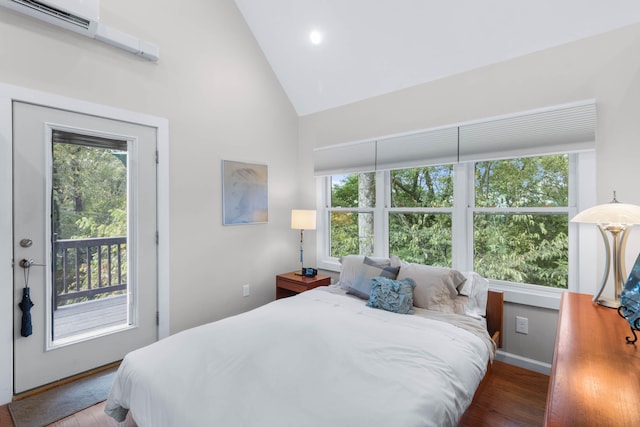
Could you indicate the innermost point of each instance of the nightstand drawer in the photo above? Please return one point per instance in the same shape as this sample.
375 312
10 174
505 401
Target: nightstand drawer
292 283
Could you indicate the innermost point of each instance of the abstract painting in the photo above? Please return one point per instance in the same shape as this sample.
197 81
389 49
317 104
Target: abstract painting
244 193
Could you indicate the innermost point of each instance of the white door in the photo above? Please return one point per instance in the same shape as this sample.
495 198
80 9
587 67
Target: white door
85 241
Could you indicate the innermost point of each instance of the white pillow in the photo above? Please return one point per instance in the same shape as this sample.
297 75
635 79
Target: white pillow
436 287
475 288
351 265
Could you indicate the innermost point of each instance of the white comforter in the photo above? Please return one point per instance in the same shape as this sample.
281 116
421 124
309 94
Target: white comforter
317 359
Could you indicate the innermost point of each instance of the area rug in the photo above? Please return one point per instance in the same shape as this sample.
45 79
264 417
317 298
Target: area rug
60 402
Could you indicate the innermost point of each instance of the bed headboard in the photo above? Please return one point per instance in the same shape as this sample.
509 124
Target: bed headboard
495 310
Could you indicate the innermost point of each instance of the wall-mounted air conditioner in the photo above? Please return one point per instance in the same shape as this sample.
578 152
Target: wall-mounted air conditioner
83 17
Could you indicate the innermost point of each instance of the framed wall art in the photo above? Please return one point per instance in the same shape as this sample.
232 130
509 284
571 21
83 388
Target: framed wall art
245 197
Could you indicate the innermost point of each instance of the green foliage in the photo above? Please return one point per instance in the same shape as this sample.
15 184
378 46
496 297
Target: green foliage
344 191
523 182
117 225
89 192
422 187
422 238
522 248
345 238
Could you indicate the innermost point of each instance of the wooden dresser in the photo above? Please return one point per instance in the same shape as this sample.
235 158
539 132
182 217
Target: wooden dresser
595 376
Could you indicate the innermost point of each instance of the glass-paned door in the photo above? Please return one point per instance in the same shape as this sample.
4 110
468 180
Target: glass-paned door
85 241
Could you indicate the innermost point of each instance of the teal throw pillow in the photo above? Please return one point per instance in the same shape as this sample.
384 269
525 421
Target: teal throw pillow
392 295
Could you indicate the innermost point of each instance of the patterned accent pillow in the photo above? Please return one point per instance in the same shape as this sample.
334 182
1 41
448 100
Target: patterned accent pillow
392 295
370 269
350 268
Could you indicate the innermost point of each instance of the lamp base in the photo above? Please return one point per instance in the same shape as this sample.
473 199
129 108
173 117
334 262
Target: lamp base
609 303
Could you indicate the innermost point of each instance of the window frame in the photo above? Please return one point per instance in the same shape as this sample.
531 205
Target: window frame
582 186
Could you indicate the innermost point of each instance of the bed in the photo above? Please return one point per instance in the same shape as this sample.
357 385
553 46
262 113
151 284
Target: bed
321 358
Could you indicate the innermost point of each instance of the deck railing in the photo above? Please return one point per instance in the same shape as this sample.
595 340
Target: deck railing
86 268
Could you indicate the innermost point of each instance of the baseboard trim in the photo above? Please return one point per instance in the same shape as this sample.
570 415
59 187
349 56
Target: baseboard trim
524 362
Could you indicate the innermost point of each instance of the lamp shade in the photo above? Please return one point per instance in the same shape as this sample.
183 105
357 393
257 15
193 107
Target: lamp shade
303 219
610 213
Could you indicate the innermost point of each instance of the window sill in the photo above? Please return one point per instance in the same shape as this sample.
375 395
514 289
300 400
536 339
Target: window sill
536 296
330 265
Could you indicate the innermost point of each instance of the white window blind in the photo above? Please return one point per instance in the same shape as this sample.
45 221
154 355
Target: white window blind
435 147
348 158
561 129
558 130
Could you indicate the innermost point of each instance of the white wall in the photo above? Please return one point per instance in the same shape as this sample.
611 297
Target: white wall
222 101
605 67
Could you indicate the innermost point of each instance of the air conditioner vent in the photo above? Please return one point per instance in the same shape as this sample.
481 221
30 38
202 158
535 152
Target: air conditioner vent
55 13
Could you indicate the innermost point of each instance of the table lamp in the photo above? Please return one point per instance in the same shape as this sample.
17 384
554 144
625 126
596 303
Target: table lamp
303 220
616 218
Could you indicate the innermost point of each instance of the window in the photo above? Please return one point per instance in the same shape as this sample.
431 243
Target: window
352 214
514 217
420 214
520 220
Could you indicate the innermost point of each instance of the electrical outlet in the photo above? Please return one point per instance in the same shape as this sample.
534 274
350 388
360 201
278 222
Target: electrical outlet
522 325
246 290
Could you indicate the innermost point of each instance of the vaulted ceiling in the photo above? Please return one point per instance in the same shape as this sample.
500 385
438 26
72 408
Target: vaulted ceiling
372 47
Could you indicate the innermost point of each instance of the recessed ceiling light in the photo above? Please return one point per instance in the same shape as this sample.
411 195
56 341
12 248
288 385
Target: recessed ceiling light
316 37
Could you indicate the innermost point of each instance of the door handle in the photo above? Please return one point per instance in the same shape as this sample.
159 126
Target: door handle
26 263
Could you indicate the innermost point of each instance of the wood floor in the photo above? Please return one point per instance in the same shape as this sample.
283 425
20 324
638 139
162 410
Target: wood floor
510 397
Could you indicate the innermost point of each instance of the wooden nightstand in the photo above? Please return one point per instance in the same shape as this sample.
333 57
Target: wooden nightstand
289 284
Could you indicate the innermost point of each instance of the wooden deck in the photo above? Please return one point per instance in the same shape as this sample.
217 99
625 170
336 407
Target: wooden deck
89 316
